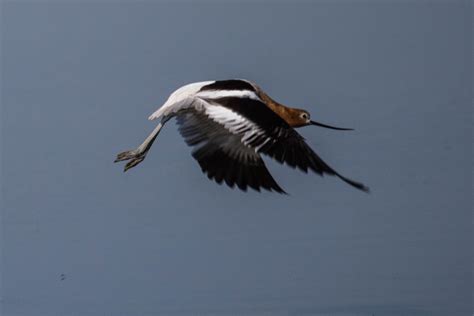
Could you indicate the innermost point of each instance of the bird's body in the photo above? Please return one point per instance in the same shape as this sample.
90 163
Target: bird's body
231 123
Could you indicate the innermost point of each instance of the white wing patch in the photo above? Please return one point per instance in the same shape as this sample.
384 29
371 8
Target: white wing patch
199 130
234 123
216 94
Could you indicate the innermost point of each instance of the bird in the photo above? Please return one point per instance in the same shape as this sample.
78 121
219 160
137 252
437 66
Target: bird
230 124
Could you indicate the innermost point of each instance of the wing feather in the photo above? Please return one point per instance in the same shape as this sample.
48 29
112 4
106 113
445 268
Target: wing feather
230 133
222 155
269 134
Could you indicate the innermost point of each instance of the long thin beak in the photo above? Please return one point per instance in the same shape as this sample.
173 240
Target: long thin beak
331 127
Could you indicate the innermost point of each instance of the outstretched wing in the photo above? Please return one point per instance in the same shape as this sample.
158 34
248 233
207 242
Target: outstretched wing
222 155
266 132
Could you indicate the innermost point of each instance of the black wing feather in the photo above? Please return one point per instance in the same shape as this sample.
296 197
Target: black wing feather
220 166
222 156
281 141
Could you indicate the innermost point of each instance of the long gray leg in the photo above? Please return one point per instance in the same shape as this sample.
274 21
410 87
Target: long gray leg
138 155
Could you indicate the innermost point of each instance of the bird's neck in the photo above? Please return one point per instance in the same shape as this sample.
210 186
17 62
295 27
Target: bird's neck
285 112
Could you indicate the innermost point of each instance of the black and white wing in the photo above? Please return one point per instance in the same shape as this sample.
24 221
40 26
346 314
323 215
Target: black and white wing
261 129
222 155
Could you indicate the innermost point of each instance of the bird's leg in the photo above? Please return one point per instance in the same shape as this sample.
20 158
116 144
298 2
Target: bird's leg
138 155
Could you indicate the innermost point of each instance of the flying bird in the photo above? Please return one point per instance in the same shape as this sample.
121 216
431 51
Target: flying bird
230 124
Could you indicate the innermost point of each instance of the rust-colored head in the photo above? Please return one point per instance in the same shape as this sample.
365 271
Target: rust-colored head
293 116
297 117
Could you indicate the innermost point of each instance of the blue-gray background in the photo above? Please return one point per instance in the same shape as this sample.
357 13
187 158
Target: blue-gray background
80 237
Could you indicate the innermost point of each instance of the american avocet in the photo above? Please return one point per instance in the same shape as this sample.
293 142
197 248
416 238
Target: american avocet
230 123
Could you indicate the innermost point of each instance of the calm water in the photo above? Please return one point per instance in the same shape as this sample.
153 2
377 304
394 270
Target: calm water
80 237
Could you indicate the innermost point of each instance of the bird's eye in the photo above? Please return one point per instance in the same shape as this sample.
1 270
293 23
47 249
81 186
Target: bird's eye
304 116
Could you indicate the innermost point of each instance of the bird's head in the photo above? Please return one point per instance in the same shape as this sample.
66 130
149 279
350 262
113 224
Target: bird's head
300 118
